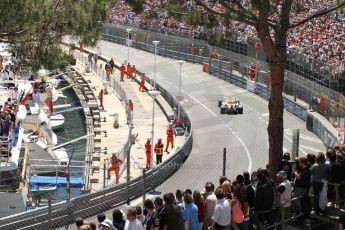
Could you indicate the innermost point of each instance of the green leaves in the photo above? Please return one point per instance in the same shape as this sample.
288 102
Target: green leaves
35 27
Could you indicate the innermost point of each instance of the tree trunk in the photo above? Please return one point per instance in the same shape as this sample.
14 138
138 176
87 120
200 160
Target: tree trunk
275 127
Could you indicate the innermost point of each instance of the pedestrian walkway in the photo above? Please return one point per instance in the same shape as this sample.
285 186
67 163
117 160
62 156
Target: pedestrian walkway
112 140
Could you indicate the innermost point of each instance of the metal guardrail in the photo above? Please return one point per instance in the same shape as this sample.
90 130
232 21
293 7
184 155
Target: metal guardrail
87 205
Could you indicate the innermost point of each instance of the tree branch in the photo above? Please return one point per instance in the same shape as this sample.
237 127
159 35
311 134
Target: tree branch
236 14
9 34
317 14
240 6
209 9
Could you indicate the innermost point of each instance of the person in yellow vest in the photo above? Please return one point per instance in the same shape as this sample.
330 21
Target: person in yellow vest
159 151
129 70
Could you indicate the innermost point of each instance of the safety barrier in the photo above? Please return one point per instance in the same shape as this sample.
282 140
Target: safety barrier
87 205
222 70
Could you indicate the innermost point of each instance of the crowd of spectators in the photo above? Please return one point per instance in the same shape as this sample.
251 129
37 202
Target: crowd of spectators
320 38
250 200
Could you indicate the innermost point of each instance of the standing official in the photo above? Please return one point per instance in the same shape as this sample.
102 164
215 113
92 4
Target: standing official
148 153
170 137
115 166
142 83
129 70
122 72
159 151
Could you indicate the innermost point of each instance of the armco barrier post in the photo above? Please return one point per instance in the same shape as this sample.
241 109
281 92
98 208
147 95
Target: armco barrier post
104 171
49 212
144 185
297 140
224 161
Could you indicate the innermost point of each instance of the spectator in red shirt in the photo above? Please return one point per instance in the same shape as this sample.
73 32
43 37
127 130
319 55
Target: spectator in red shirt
199 202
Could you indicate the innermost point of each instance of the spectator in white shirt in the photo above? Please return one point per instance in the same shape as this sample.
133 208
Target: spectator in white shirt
210 203
222 212
132 223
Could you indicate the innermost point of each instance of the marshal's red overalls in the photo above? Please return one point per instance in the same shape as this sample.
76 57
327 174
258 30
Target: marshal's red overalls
133 72
252 72
148 154
130 106
170 137
129 71
122 71
142 83
115 166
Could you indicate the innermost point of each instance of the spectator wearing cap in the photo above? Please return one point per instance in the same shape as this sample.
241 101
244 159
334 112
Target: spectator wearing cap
102 219
221 216
284 194
319 171
132 223
301 187
210 204
190 213
104 226
118 220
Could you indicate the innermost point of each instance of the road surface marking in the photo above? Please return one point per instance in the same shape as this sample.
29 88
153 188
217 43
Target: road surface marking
300 148
215 115
247 152
310 148
302 136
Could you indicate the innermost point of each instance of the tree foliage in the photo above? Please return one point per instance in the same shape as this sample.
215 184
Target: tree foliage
33 27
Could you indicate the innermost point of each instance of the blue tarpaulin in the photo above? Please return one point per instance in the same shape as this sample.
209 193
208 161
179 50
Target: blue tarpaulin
75 182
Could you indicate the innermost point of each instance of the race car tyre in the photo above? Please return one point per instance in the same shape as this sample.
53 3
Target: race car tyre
219 103
240 110
222 111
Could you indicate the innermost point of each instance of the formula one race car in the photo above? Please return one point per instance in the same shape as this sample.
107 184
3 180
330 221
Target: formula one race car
230 105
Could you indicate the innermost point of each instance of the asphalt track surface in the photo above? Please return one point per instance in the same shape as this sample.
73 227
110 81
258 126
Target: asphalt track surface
244 136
